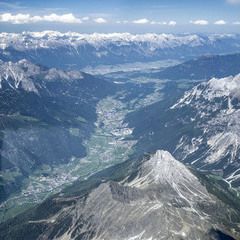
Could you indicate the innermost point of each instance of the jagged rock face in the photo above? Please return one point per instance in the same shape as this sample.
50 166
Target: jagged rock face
201 128
165 200
161 202
161 199
28 76
74 50
215 110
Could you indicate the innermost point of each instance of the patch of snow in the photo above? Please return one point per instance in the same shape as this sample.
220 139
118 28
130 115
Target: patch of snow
229 86
215 108
166 169
214 88
23 74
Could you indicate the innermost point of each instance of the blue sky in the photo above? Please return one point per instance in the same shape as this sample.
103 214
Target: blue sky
137 16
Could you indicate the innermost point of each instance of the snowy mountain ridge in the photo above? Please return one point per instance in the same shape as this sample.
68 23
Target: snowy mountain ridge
75 50
229 86
163 168
214 88
24 74
45 39
215 112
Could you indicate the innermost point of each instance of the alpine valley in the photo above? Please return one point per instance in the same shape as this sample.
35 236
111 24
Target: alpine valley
119 136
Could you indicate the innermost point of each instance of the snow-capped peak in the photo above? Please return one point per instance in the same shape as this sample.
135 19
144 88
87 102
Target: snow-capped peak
25 74
214 88
162 168
166 169
19 74
45 39
163 171
229 86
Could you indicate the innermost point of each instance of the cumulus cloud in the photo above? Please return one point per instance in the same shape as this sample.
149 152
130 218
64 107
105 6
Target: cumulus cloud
100 20
147 21
200 22
172 23
236 23
141 21
220 22
27 18
65 18
16 19
158 23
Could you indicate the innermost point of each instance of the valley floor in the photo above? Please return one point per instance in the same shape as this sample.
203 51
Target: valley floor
111 143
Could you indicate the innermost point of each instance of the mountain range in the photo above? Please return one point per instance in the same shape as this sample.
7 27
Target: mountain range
39 108
169 137
203 68
200 128
74 50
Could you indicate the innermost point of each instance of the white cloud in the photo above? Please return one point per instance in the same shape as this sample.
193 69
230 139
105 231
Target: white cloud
15 19
236 23
100 20
141 21
220 22
27 18
158 23
172 23
147 21
233 1
85 18
200 22
65 18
